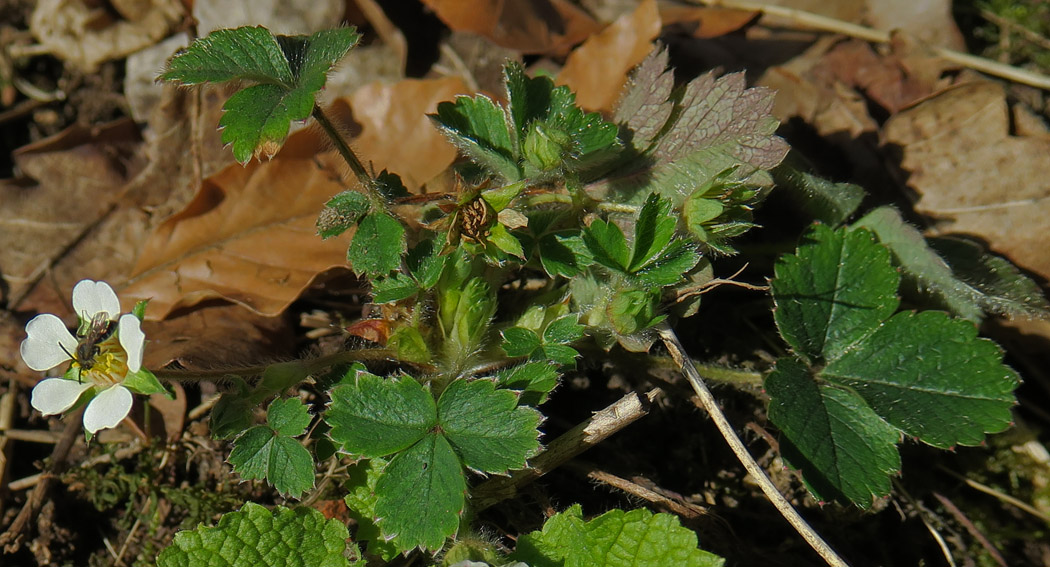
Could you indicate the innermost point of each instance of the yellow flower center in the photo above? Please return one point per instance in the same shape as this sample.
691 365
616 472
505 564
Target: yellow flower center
108 367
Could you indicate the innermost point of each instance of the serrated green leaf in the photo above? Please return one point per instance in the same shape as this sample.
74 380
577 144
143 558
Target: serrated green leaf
257 537
377 245
607 243
563 330
930 376
826 201
653 231
374 417
518 341
1001 288
360 499
288 417
311 57
843 448
425 263
270 452
487 427
534 379
395 287
615 539
563 253
421 494
528 98
670 267
562 354
257 118
341 212
835 289
505 241
478 128
646 104
632 310
249 53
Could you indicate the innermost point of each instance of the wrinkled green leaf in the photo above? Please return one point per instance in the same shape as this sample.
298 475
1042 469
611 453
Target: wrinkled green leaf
377 245
518 341
270 452
374 417
257 537
421 494
487 427
360 501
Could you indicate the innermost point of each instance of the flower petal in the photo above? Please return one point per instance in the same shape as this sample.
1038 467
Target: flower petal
91 297
108 408
49 342
56 395
132 339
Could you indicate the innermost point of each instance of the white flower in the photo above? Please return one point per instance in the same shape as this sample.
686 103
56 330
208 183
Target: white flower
102 365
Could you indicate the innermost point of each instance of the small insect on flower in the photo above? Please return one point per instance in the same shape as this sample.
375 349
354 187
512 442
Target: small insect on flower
91 332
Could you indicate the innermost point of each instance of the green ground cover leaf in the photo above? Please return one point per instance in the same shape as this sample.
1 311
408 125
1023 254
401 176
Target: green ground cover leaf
615 539
478 128
845 448
341 212
833 291
519 341
826 201
487 427
607 243
270 452
257 537
921 374
652 232
930 376
395 287
563 330
421 494
377 246
290 71
374 417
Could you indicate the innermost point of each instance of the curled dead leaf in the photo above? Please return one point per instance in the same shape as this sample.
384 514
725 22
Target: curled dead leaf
549 26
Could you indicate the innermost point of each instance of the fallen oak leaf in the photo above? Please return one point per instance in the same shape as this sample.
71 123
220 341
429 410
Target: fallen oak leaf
248 236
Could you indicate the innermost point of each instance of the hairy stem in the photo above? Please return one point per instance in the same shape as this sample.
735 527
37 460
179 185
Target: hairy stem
350 157
311 366
792 516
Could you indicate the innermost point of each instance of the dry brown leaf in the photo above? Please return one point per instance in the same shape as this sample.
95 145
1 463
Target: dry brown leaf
395 131
248 236
540 26
706 22
928 20
597 70
970 172
70 181
279 16
217 336
84 34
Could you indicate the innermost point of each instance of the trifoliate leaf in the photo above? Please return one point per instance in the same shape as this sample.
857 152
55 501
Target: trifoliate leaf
487 427
930 376
844 449
615 539
360 500
377 245
534 379
421 494
257 537
519 341
826 201
341 212
374 417
478 128
607 243
270 452
833 291
290 71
